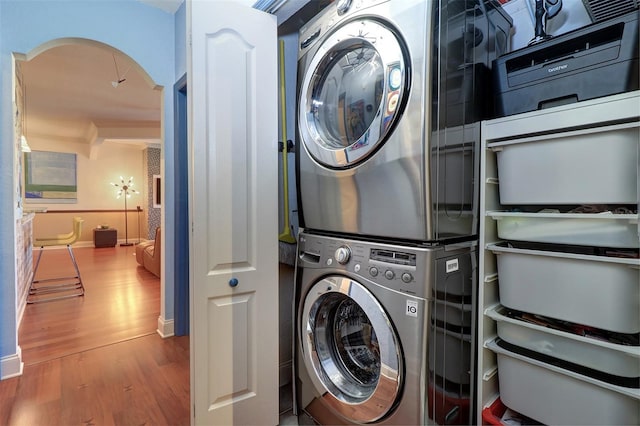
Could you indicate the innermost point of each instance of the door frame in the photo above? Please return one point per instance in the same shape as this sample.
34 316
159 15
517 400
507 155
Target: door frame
181 197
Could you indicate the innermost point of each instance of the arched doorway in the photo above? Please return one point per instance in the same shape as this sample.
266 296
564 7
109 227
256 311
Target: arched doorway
85 97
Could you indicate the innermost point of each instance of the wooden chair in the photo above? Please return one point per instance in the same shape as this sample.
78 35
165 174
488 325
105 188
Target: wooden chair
62 287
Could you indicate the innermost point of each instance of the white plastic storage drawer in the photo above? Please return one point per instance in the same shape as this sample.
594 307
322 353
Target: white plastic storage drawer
591 166
601 230
457 314
598 291
556 396
615 359
450 355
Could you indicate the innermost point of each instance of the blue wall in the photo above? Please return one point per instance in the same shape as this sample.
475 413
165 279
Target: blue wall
181 40
147 35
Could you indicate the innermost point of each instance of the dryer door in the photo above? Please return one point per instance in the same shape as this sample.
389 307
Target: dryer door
351 351
352 92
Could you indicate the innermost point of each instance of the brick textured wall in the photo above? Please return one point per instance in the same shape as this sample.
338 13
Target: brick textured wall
152 160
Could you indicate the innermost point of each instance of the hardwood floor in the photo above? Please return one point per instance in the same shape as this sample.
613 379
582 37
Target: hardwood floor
97 359
121 301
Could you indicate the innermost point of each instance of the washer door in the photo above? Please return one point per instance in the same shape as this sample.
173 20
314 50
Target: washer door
352 93
351 350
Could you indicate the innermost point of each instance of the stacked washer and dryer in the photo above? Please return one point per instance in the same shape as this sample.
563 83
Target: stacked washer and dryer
390 98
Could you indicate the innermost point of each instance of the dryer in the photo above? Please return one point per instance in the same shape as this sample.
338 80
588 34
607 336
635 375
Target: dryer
390 94
369 344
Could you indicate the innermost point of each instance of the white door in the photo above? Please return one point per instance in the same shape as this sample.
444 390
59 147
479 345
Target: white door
232 78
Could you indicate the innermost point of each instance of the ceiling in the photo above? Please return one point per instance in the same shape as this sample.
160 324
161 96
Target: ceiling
70 95
89 94
167 5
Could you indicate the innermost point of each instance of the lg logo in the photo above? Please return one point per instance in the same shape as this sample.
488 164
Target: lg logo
412 308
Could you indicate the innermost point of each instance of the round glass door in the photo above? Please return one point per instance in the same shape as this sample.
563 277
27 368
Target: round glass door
352 348
352 93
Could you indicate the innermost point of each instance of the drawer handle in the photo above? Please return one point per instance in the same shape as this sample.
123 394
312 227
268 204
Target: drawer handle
490 373
233 282
491 278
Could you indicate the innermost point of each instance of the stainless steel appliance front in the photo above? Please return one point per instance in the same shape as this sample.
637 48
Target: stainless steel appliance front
387 137
365 312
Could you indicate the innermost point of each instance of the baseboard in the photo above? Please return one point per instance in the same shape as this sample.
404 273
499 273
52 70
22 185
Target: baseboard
285 373
12 365
165 328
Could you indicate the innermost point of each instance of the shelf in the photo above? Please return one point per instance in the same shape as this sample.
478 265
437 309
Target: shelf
559 145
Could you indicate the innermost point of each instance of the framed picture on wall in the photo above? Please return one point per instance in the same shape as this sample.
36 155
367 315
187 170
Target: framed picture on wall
50 177
157 191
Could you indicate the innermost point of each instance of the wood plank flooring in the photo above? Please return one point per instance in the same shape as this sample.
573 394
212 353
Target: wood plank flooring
97 359
121 301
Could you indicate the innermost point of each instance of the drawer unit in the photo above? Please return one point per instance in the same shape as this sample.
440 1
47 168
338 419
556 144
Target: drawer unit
614 359
590 166
597 291
457 314
450 355
600 229
556 396
546 260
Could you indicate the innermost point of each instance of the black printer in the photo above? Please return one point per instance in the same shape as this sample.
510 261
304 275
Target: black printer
597 60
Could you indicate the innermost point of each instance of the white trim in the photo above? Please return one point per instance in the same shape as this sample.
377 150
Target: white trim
165 328
12 365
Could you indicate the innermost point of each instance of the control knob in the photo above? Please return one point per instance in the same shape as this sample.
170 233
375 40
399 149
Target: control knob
343 254
343 6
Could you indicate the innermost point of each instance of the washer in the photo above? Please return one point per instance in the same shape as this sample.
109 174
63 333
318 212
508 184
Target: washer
390 96
364 314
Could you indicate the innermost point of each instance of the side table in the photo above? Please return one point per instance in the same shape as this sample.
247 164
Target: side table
105 237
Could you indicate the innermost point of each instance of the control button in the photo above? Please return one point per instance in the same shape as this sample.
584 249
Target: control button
389 274
329 261
395 78
343 6
310 39
406 277
373 271
343 254
356 268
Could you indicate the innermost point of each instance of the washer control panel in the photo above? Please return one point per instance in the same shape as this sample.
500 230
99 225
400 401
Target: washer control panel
399 268
417 270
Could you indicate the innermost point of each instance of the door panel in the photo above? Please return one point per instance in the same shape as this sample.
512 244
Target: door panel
231 373
232 70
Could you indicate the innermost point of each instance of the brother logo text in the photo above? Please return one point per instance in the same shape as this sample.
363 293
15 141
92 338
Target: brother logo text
558 68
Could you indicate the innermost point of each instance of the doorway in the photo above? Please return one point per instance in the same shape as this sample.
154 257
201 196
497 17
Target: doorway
99 104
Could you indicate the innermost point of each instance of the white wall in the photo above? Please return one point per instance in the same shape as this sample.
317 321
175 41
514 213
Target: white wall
94 177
